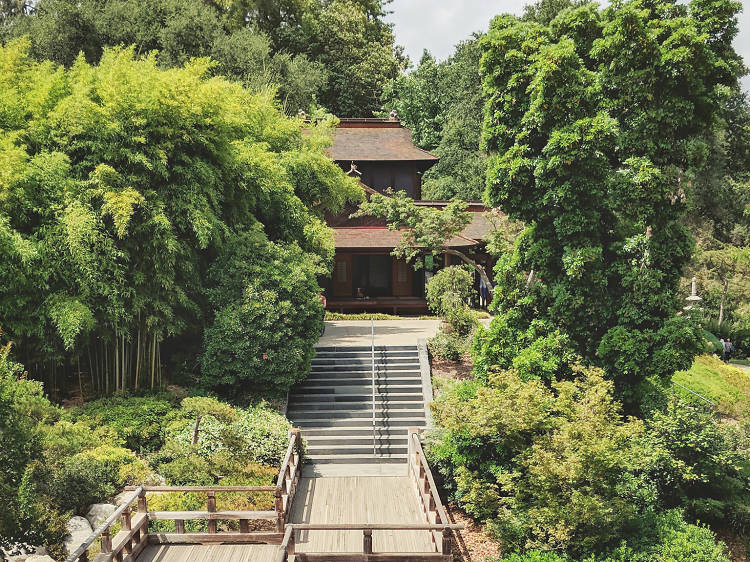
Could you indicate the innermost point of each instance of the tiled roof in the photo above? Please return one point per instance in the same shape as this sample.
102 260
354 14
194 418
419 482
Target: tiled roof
376 141
381 238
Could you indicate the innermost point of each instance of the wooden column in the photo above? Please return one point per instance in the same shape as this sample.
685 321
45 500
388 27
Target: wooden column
211 505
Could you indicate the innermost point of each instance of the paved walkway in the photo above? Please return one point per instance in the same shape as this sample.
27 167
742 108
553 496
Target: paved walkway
344 333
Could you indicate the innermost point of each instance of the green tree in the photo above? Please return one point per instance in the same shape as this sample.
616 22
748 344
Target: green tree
424 230
595 122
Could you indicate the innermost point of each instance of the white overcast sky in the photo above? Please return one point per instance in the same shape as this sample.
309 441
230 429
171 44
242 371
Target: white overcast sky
437 25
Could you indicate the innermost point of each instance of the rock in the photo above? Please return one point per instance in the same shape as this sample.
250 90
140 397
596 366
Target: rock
40 558
121 498
78 531
99 512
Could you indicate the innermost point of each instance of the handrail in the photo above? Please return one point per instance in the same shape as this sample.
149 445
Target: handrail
430 480
147 488
81 550
376 526
372 342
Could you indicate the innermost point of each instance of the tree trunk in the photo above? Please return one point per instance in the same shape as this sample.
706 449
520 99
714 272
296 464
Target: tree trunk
725 287
195 430
478 268
138 354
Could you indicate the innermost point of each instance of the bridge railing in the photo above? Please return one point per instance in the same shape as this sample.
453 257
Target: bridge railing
443 554
424 483
135 534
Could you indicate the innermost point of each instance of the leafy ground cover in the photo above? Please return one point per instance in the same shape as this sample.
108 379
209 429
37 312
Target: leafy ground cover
723 384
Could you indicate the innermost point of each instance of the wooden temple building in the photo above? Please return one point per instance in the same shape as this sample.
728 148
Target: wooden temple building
366 277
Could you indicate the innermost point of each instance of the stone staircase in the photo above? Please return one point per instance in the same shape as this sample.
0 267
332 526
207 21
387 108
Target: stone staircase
333 406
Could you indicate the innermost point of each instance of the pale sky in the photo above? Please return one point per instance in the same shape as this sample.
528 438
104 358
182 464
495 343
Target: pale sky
437 25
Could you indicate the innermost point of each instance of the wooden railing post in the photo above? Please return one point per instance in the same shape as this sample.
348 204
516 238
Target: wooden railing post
142 506
290 542
410 433
84 557
244 525
211 506
367 540
106 542
279 505
127 526
179 526
447 540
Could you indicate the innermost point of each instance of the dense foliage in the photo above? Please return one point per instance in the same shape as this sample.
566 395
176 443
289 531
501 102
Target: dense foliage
595 122
122 189
448 293
559 468
57 462
339 53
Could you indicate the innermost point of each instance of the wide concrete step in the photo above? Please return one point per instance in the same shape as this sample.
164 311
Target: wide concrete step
365 354
357 458
366 375
383 360
323 421
358 449
354 432
347 348
392 408
345 379
386 410
314 441
365 366
364 397
360 388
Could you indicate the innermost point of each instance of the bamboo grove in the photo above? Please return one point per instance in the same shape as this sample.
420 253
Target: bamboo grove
121 185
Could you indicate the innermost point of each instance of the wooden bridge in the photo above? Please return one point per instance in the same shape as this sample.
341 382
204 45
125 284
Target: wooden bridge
352 519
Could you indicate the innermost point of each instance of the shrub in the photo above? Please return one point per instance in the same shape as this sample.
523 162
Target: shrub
447 286
137 420
698 464
448 346
95 474
552 468
257 434
268 316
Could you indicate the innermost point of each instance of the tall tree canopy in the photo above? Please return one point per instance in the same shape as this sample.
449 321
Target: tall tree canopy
121 184
596 124
339 53
441 102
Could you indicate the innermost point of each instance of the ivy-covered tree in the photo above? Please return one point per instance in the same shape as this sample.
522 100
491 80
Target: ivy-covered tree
596 124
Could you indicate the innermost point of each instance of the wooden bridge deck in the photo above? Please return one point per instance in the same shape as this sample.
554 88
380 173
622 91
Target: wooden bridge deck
358 499
209 553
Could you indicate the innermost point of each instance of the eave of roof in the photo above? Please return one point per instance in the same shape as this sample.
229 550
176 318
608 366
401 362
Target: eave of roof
377 144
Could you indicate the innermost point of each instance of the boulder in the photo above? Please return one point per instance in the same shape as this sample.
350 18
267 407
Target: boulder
79 530
98 513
